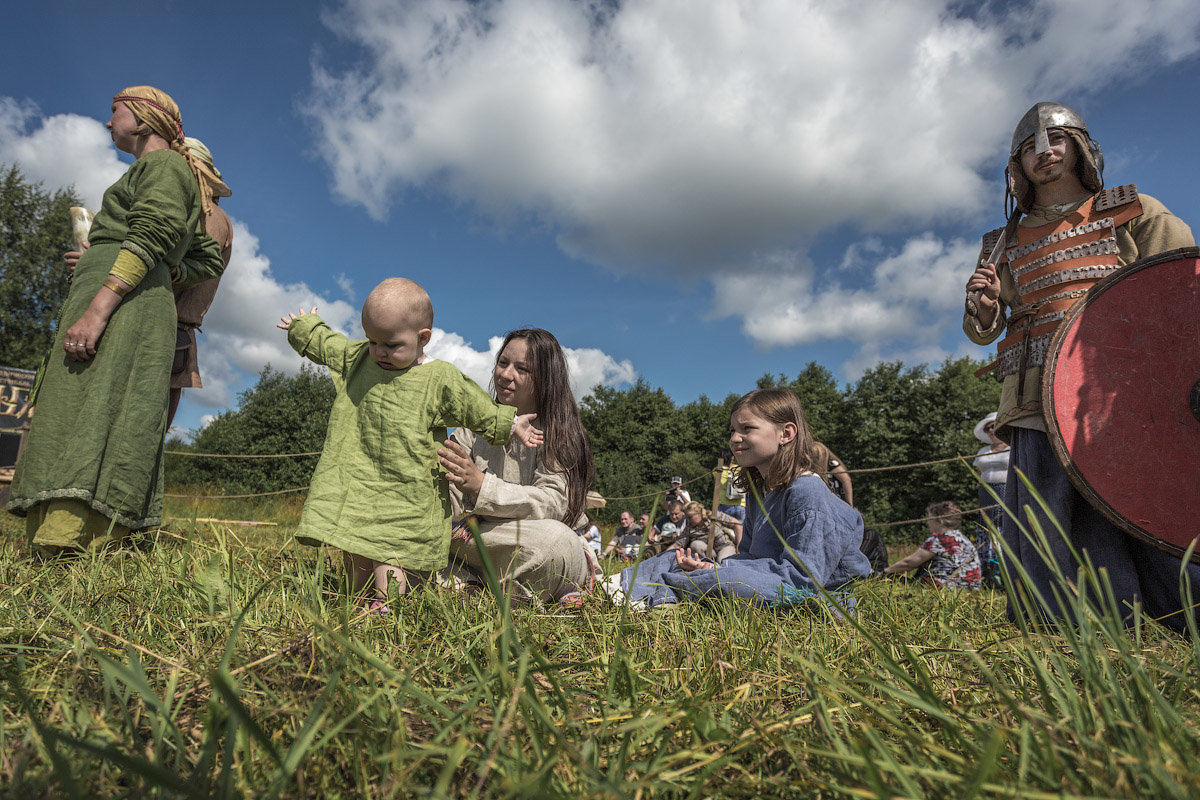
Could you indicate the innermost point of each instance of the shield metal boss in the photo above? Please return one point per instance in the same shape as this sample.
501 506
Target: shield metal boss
1121 386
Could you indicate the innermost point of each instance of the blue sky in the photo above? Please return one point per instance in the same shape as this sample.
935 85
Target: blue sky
694 193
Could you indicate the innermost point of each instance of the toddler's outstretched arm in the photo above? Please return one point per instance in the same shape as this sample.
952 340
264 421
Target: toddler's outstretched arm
286 322
524 431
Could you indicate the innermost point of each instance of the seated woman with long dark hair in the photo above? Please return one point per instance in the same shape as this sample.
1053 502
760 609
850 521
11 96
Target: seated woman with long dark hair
527 502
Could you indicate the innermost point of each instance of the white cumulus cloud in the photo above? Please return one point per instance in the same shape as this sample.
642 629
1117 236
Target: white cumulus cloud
905 300
695 137
59 151
587 367
239 336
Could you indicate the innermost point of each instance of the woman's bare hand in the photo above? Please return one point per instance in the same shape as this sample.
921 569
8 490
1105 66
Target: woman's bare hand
82 338
72 256
460 468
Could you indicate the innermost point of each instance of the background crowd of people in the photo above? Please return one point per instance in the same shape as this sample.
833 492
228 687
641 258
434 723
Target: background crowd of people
947 558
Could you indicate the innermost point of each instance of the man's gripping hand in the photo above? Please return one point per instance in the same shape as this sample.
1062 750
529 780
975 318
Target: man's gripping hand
985 281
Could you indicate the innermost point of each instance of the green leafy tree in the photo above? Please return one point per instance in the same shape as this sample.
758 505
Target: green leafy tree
898 416
823 402
280 414
35 230
893 415
634 432
706 427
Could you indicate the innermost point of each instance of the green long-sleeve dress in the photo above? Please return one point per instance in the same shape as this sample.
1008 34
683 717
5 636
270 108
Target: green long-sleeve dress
98 428
378 490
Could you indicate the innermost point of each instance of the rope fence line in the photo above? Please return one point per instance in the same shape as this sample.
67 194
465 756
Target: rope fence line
894 467
859 471
239 455
911 466
863 470
656 494
965 512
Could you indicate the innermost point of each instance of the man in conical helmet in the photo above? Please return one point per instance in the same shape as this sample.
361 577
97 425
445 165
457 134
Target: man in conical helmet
1065 232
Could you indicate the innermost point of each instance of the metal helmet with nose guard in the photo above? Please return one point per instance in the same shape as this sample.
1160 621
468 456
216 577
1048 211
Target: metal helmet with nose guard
1037 123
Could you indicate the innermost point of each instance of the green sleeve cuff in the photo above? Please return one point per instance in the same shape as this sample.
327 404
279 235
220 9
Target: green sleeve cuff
505 421
129 268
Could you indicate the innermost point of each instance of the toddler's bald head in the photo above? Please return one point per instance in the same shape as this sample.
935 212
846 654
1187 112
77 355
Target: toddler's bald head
398 302
398 321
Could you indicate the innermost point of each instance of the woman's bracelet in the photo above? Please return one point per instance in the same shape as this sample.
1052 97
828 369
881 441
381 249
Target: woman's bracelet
118 287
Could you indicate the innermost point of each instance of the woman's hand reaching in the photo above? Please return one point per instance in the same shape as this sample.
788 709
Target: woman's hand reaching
460 469
72 256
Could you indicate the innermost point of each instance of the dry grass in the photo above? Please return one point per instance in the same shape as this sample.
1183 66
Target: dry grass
225 662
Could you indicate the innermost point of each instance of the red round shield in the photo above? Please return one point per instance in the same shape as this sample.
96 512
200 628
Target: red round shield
1121 388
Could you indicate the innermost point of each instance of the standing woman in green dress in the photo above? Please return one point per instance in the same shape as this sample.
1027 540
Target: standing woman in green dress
92 469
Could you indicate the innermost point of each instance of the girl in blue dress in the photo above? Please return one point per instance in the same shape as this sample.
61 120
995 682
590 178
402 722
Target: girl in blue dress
798 536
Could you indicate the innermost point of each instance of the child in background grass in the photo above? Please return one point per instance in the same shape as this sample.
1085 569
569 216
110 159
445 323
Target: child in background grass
378 493
797 537
948 558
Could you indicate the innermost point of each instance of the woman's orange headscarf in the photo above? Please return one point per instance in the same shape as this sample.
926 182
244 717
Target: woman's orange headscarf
159 114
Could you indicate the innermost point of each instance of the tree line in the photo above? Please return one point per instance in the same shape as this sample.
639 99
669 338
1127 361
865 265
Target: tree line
892 415
35 231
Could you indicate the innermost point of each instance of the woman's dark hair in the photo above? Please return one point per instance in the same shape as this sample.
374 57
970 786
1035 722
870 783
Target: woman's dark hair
779 407
566 448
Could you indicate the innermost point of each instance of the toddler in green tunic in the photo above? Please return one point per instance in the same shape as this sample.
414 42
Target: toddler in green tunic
378 493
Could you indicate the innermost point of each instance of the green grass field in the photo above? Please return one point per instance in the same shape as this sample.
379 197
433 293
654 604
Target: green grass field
223 662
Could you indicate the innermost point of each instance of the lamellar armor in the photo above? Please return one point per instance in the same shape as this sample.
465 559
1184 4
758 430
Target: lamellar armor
1054 266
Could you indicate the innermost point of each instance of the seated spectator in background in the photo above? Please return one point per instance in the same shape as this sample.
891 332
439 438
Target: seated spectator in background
799 539
666 528
626 541
833 471
946 558
698 531
677 492
644 521
590 534
731 500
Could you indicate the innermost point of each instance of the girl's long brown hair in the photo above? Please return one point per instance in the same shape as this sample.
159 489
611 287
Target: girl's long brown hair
566 448
777 406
